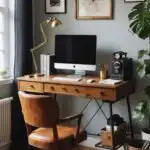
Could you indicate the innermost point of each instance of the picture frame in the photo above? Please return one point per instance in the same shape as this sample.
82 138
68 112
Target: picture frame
94 10
55 6
133 1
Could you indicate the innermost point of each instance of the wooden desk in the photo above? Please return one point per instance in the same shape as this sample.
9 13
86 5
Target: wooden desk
81 88
110 94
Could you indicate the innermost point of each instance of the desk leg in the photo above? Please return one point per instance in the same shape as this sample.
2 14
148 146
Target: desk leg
55 96
112 126
130 117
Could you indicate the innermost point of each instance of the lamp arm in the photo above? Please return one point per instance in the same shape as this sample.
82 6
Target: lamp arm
39 46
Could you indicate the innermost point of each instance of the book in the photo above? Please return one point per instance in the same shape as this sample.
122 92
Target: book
47 65
110 81
42 64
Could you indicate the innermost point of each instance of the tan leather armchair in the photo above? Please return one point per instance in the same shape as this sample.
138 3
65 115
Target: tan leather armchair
44 127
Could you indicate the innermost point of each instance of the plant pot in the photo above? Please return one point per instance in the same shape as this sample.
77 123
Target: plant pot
135 144
146 134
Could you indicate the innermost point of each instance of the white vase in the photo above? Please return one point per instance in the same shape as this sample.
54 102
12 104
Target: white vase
145 135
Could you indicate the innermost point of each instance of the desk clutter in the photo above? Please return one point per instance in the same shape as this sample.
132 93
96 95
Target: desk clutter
119 132
121 70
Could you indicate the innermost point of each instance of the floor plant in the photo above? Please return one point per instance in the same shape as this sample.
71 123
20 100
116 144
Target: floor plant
139 18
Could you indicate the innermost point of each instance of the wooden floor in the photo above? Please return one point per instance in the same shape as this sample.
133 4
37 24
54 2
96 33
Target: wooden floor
77 148
86 145
84 148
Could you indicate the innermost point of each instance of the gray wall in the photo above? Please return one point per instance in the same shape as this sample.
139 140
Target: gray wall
112 35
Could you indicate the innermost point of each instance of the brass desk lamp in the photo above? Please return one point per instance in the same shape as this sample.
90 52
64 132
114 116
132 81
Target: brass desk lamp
54 22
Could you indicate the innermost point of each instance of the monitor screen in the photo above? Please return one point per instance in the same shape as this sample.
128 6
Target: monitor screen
75 49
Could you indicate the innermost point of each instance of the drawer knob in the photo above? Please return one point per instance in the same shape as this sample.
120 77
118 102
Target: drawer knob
88 95
102 93
52 88
64 89
77 90
32 86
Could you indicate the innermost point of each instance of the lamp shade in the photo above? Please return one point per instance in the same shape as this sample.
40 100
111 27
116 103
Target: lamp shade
55 23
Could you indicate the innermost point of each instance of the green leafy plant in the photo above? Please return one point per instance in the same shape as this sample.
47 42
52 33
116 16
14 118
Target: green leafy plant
139 18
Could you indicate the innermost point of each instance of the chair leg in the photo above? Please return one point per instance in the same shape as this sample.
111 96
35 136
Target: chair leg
125 146
30 147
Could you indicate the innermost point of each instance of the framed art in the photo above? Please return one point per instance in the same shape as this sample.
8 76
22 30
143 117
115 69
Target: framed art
131 1
55 6
94 9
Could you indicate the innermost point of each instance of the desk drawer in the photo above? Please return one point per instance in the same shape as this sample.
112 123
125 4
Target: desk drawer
64 89
101 93
31 86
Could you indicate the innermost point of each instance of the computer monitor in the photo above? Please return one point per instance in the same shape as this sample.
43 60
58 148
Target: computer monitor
75 52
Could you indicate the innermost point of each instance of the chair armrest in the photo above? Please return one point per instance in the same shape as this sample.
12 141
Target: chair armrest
70 118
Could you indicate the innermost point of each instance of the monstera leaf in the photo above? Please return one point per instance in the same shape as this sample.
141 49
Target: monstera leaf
143 65
138 111
142 110
140 19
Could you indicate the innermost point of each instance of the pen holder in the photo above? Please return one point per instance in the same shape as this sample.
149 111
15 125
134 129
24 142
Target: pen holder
103 72
102 75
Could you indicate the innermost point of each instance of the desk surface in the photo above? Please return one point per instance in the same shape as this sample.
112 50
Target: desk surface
83 82
94 90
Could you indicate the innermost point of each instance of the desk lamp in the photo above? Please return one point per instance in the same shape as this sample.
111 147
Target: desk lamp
54 22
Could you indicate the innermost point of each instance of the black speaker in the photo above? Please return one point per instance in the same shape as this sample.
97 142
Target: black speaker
122 66
52 61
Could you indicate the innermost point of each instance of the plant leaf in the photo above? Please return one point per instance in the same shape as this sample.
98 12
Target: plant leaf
147 69
141 53
147 90
139 18
138 111
140 68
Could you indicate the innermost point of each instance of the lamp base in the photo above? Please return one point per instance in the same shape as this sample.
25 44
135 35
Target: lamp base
35 75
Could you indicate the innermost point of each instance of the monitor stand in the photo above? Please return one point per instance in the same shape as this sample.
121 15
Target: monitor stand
77 74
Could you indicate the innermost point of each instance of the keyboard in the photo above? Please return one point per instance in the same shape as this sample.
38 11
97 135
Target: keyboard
66 79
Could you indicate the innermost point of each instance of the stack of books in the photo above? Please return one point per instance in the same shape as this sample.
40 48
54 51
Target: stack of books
45 64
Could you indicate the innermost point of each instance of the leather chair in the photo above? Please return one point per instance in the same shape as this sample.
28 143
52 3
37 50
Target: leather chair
44 127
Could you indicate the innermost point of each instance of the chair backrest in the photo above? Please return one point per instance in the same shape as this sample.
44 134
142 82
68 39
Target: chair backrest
39 110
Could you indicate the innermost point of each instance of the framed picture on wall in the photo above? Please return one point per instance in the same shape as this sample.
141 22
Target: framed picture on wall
55 6
130 1
94 9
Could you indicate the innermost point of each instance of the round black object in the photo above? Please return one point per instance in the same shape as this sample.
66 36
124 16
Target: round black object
117 120
136 143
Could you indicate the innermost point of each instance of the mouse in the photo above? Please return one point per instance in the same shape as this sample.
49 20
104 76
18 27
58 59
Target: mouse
90 81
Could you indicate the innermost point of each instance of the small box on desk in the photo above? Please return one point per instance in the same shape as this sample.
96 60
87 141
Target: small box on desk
106 136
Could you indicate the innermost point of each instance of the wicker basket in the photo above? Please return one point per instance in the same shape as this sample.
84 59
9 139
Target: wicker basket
106 136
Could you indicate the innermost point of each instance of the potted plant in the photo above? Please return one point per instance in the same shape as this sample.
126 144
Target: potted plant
139 18
3 73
